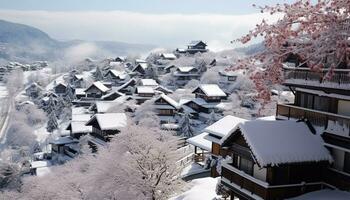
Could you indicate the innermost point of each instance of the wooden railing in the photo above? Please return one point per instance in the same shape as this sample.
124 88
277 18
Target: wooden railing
334 123
257 189
339 80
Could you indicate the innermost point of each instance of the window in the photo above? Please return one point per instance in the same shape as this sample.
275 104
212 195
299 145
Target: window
165 112
232 78
246 166
347 162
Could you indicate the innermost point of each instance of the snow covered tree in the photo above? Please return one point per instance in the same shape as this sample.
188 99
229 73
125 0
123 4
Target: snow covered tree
69 95
51 105
98 74
52 123
212 118
186 129
9 175
14 82
145 115
316 31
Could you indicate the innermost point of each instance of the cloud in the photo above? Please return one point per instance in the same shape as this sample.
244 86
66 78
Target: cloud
166 30
79 52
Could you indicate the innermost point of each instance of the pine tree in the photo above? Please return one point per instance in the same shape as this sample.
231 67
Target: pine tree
51 105
98 74
52 124
212 118
186 129
69 96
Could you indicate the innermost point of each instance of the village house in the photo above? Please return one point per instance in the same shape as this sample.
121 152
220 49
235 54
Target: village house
140 69
208 142
208 99
143 93
148 82
105 125
168 56
119 59
117 78
77 81
228 78
34 90
184 74
273 160
79 93
77 127
166 108
60 89
96 90
196 47
112 96
64 148
127 88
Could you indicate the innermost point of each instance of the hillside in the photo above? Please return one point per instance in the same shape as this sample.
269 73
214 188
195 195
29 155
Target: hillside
20 42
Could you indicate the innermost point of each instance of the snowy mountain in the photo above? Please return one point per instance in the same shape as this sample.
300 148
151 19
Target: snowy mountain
20 42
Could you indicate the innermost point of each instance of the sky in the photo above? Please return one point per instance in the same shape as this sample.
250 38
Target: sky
167 23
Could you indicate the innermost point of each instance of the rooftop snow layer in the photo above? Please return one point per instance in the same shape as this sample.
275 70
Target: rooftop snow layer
279 142
224 126
99 86
145 90
149 82
109 121
212 90
200 141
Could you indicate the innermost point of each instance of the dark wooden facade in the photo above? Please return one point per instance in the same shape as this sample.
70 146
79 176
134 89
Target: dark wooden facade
271 182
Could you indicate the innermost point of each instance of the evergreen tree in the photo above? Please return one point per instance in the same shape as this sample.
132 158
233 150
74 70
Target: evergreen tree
186 129
51 105
98 74
52 124
212 118
69 96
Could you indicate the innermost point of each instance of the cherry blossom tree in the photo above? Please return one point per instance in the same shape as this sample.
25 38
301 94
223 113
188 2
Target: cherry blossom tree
317 32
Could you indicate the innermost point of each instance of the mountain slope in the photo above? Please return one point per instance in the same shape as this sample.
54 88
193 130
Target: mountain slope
23 43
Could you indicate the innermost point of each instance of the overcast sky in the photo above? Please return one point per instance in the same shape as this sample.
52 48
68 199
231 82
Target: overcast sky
167 23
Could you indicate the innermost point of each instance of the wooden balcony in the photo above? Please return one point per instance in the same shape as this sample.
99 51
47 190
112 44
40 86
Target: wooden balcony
251 188
332 123
312 79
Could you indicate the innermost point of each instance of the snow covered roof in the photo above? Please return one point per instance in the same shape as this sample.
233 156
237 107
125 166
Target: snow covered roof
149 82
99 85
212 90
145 90
280 142
64 140
104 106
140 61
185 69
325 194
79 77
195 42
162 88
38 164
34 84
200 141
224 126
80 91
168 55
232 72
81 117
79 127
109 121
112 93
169 100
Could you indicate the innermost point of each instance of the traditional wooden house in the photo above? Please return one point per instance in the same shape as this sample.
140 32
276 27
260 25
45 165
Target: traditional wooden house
79 93
96 90
184 74
78 81
128 88
77 127
60 89
64 148
117 78
196 47
148 82
273 160
112 96
208 99
140 69
230 77
106 125
143 93
34 90
163 89
325 102
166 108
119 59
209 140
168 56
169 68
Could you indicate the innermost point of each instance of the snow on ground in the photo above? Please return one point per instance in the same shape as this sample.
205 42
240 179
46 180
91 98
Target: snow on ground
192 169
324 195
203 189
